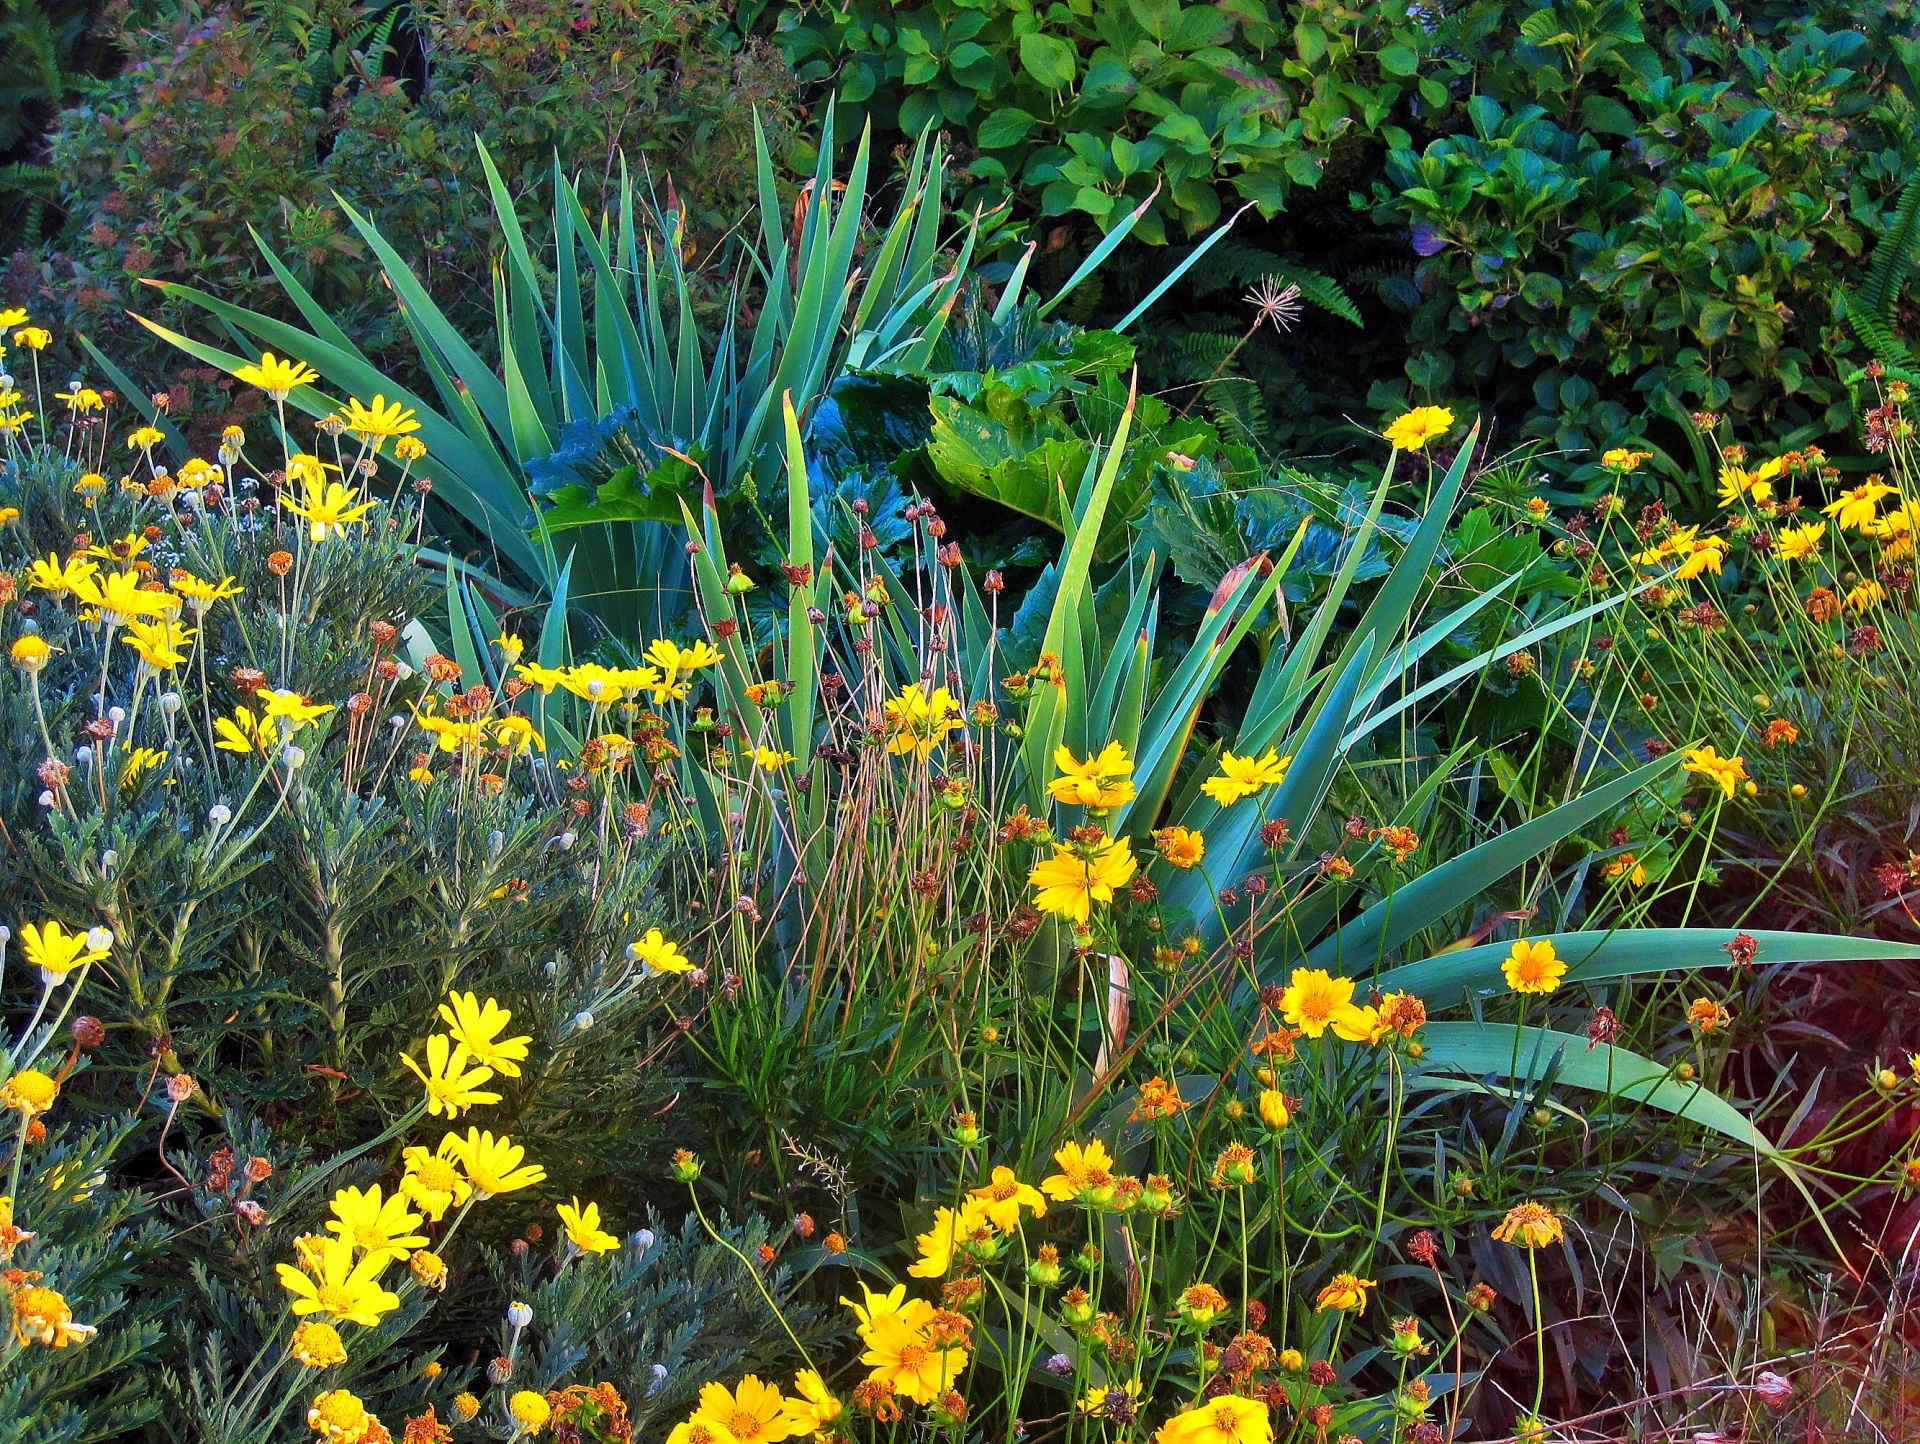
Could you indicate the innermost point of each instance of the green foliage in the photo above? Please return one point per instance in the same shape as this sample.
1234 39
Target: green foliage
1092 108
277 117
1646 201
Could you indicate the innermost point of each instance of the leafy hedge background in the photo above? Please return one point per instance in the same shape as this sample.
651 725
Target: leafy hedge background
1590 218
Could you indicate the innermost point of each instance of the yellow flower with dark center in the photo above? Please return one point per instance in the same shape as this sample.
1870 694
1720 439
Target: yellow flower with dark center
751 1413
1345 1292
432 1183
317 1346
452 1087
1858 507
336 1285
1182 847
1004 1197
1419 426
1533 967
29 1092
158 643
275 376
1797 543
816 1408
1726 773
121 598
477 1027
379 1227
940 1244
380 420
50 574
582 1225
919 721
911 1362
1085 1176
1530 1225
1071 881
1102 782
1240 777
1229 1419
493 1165
243 732
57 952
657 955
42 1316
1314 1000
339 1417
327 507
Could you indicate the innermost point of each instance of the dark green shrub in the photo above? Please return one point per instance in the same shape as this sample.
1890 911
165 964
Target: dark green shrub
217 124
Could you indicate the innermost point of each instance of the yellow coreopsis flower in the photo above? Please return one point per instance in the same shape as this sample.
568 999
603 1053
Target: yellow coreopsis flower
34 338
275 376
82 400
1858 507
1314 1000
1004 1197
1623 461
1182 847
380 420
875 1310
477 1026
145 438
452 1087
1797 543
1419 426
493 1165
657 955
1240 777
752 1413
517 734
328 508
379 1227
1346 1291
1864 596
336 1285
1229 1419
1102 782
57 952
816 1409
1085 1176
912 1363
1724 772
768 760
919 721
1530 1225
1533 967
1708 555
1070 882
583 1229
939 1244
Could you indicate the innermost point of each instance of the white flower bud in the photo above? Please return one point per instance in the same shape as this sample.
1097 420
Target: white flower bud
46 798
219 814
294 755
582 1021
99 938
109 860
519 1315
170 702
83 755
116 715
405 672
